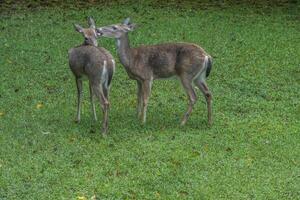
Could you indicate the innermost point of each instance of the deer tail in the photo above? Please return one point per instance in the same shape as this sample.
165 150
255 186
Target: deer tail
208 65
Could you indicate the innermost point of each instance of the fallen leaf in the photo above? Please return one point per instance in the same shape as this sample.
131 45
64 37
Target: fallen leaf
249 161
81 198
205 148
39 105
228 149
45 132
157 194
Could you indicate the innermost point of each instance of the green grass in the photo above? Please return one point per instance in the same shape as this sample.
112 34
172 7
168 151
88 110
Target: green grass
251 152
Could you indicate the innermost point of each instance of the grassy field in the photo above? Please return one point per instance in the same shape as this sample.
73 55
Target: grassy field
251 152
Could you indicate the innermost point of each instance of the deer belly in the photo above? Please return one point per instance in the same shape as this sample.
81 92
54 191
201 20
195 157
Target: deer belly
131 75
163 72
162 65
84 77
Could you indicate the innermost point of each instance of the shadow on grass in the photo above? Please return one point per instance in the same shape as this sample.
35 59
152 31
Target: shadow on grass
164 121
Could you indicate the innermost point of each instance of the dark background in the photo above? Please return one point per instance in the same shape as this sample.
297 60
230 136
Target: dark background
7 5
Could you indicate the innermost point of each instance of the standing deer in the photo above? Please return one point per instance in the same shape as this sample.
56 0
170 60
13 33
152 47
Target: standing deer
97 65
146 63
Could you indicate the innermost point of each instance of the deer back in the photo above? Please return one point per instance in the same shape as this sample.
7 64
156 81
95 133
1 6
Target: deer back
166 60
90 61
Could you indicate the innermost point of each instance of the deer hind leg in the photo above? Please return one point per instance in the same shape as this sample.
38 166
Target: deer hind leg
187 85
92 102
146 90
100 93
139 99
79 98
200 82
105 91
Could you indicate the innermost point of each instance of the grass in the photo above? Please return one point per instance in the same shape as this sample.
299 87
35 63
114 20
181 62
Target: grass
251 152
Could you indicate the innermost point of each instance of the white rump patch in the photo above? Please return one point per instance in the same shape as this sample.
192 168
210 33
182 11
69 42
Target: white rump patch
114 65
202 73
205 62
104 73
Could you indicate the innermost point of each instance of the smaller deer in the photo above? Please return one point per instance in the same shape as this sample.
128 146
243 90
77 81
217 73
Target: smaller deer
144 64
97 65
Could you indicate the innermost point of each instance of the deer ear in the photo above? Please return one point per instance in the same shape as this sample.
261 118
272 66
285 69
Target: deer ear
78 28
91 22
126 21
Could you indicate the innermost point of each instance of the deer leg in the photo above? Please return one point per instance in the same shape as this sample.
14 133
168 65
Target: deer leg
79 98
187 85
92 102
139 99
201 84
208 96
146 90
98 91
105 91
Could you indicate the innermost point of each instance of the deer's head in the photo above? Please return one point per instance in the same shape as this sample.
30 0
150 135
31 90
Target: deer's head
116 30
89 34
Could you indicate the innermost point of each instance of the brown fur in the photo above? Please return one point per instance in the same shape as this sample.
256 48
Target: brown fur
145 63
97 65
166 60
87 60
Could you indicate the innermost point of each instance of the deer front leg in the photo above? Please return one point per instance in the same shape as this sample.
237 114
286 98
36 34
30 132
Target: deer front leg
139 99
79 98
146 90
187 85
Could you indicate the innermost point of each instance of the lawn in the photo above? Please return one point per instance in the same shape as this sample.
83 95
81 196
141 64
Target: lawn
252 151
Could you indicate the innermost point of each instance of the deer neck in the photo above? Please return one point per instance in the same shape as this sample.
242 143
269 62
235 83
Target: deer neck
124 51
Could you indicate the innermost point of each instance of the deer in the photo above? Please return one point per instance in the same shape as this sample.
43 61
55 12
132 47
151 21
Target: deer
144 64
96 64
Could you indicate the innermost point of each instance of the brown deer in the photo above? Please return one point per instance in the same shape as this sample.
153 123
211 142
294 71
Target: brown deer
97 65
146 63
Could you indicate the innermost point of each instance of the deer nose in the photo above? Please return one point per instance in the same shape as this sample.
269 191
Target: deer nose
99 31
